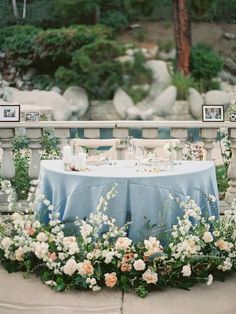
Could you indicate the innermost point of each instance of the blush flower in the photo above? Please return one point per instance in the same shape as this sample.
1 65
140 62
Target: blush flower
150 277
70 267
123 243
139 265
186 270
86 268
207 237
110 279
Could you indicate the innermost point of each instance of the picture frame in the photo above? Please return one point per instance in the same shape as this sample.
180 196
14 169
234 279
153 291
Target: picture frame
232 116
213 113
32 116
9 113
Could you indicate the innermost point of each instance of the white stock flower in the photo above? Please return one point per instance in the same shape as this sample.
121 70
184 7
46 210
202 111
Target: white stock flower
50 283
6 243
16 217
153 246
139 265
186 270
122 243
210 280
150 277
70 244
70 267
86 230
207 237
42 237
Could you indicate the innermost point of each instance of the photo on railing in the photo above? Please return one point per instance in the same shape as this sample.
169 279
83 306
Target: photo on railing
9 113
32 116
212 113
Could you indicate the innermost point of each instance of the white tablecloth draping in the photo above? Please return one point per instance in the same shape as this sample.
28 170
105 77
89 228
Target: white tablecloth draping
140 193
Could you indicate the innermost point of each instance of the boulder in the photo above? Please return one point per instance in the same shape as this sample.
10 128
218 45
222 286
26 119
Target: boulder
226 76
29 74
147 114
230 65
122 101
77 99
217 97
133 113
195 103
167 55
40 99
164 102
56 89
161 76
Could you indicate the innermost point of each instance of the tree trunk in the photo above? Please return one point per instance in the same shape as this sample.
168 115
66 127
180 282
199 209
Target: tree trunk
24 9
182 32
15 10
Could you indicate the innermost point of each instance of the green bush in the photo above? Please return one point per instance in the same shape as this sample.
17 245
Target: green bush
65 77
182 83
56 46
203 85
97 69
115 19
204 62
17 42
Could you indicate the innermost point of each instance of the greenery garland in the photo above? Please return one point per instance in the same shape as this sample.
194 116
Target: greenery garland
199 249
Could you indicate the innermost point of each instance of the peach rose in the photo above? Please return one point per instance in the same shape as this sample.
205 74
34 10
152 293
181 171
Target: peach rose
52 256
19 254
223 245
110 279
30 231
86 268
70 267
123 243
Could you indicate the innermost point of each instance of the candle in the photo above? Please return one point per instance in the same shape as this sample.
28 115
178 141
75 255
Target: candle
66 154
81 161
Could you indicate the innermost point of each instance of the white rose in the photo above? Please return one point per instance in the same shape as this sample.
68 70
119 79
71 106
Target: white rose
123 243
42 237
186 270
150 277
16 217
70 267
41 249
139 265
6 243
207 237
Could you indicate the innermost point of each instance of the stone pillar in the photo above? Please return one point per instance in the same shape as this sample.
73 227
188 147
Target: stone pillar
35 137
7 164
209 137
182 135
62 135
231 192
92 133
121 134
149 133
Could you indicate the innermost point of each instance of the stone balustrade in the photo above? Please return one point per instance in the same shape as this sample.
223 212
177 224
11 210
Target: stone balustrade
118 129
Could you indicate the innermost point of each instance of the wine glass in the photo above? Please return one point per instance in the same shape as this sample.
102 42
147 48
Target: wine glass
130 147
139 153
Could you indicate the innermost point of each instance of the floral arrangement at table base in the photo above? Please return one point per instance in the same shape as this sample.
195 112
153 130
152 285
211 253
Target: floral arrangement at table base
199 250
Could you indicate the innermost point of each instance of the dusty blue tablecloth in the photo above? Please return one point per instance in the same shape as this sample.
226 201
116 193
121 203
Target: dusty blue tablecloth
140 193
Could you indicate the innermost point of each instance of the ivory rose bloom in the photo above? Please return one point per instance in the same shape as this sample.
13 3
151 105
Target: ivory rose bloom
42 237
123 243
186 270
210 280
19 254
86 230
110 279
70 267
16 217
150 277
41 249
71 245
139 265
86 268
207 237
6 243
153 246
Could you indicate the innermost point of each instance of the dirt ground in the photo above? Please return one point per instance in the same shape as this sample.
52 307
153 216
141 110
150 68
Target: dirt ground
210 33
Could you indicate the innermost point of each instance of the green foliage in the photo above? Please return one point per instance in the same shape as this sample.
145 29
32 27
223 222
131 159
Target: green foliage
165 45
137 94
199 7
115 19
17 42
137 8
222 178
96 68
182 83
204 85
65 77
204 62
42 82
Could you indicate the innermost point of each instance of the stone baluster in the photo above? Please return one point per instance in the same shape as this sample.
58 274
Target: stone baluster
62 135
7 164
91 133
182 135
122 134
231 192
149 134
209 137
35 136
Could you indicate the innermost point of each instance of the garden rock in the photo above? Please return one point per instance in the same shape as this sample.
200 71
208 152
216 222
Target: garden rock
40 99
56 89
77 99
167 55
133 113
161 76
229 36
195 103
29 74
230 65
122 101
226 76
164 102
217 97
147 114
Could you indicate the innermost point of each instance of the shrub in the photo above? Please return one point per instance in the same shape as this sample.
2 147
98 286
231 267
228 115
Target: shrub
206 85
115 19
182 83
204 62
17 42
165 45
56 46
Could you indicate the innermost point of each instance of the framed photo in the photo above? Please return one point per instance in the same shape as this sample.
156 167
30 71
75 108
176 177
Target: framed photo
232 116
9 113
32 116
212 113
